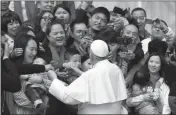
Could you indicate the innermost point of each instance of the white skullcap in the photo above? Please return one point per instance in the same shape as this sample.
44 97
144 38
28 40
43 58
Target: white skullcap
99 48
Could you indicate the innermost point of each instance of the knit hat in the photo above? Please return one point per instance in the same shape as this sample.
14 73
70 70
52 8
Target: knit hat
99 48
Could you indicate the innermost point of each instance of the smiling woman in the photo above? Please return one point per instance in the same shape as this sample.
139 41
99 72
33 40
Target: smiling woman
55 46
10 23
154 71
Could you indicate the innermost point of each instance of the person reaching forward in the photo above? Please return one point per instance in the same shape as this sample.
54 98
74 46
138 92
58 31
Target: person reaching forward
99 90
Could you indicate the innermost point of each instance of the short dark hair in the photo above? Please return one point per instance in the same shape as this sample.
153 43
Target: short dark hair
141 78
61 6
7 18
84 58
53 22
70 52
157 45
102 10
72 25
139 9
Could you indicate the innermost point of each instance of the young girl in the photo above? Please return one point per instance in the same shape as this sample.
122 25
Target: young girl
141 87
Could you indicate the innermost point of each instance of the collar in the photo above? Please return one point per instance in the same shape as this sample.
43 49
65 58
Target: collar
100 63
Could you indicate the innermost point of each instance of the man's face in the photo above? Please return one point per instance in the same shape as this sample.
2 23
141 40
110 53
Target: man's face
139 15
5 5
98 21
79 31
157 32
46 5
132 32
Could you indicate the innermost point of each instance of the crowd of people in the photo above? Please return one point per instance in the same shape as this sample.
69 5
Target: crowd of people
100 62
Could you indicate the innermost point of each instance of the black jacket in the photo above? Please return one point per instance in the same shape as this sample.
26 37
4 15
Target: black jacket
170 78
10 82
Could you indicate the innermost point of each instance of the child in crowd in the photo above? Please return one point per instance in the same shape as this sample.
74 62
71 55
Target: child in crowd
35 92
73 60
85 63
141 87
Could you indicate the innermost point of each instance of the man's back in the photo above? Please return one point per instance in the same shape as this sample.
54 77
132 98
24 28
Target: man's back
107 108
101 89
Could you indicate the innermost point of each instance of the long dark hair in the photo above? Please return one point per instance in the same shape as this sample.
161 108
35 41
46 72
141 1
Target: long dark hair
7 18
162 68
23 30
22 42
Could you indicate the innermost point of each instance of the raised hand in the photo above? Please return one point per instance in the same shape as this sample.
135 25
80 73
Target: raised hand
52 75
17 52
44 26
35 79
61 74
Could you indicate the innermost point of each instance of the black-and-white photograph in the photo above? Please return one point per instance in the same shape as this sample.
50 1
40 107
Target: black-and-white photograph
88 57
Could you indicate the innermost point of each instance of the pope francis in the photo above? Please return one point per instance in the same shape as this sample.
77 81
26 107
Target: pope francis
100 90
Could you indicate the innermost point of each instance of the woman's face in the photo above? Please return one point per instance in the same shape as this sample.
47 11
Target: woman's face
12 27
57 35
46 16
154 64
30 52
62 14
86 65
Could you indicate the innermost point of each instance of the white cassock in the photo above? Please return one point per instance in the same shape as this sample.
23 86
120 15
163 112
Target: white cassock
98 91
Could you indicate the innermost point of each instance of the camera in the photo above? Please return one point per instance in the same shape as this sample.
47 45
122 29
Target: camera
124 40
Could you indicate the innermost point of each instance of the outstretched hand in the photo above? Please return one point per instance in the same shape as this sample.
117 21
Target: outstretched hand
52 75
